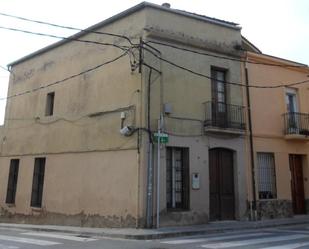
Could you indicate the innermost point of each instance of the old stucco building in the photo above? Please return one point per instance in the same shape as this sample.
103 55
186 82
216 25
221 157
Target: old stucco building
280 128
79 142
63 157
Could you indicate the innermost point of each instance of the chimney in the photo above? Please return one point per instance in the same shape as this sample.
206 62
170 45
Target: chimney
166 5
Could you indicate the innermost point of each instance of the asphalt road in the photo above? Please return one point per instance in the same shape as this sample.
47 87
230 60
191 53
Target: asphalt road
289 237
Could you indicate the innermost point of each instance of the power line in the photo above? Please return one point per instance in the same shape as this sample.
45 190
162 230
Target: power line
224 57
254 85
85 31
62 37
65 79
4 68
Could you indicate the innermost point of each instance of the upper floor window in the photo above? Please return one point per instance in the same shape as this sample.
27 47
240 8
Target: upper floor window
218 87
49 109
291 100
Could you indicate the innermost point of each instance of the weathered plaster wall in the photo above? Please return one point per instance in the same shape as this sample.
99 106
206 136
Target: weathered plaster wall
87 189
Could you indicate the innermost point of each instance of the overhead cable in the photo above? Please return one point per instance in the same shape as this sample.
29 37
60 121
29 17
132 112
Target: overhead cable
254 85
226 57
71 38
85 31
65 79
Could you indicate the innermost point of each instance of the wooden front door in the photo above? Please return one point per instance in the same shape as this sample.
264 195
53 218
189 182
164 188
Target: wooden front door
221 185
297 184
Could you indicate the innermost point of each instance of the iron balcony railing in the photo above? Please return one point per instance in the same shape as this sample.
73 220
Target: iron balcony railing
296 123
225 116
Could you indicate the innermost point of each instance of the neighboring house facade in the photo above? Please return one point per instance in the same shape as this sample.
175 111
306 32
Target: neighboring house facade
64 160
280 124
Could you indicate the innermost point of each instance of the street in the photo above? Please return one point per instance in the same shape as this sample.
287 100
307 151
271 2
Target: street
288 237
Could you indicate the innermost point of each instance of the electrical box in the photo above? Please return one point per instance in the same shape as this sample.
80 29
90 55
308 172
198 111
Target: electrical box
167 108
195 181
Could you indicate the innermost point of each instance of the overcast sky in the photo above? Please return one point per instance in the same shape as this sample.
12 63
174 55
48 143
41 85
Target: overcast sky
277 27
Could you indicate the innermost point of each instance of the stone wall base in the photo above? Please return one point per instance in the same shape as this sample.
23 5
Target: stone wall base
43 217
271 209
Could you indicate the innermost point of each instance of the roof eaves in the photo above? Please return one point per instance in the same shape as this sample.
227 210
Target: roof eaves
286 61
119 16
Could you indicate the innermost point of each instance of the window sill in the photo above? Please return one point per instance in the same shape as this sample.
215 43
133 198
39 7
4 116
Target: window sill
37 209
177 210
10 205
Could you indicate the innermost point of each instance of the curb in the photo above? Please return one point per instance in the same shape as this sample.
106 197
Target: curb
162 234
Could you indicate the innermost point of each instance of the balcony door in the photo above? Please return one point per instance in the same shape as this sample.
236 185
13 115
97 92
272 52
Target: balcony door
218 91
292 110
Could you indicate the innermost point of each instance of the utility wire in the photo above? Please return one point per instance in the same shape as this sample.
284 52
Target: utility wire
71 38
85 31
65 79
4 68
225 57
254 85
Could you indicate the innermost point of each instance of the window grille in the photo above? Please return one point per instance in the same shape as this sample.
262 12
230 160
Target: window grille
177 178
12 181
38 182
267 176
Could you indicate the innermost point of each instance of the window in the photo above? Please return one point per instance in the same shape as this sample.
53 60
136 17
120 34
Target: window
218 88
12 181
267 176
177 178
38 182
49 110
291 100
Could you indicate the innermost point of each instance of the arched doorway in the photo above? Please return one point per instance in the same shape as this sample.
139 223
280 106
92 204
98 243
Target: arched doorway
221 185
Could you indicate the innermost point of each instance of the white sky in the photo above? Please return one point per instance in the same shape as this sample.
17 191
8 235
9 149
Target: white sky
277 27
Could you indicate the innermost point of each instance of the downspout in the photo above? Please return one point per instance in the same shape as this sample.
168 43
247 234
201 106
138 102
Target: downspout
253 203
149 208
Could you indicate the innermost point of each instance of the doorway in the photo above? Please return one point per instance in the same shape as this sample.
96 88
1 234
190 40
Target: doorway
297 184
221 185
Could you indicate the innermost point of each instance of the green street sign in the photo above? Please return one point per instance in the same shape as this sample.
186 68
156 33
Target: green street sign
163 138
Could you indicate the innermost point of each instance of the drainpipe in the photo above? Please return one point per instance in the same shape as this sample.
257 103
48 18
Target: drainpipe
253 204
149 208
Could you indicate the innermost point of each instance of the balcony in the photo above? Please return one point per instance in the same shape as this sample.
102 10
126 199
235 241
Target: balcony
296 126
224 118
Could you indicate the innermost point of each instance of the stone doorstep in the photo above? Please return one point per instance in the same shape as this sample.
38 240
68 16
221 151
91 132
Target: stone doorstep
147 234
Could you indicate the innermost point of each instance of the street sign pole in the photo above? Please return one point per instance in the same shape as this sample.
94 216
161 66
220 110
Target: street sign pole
158 173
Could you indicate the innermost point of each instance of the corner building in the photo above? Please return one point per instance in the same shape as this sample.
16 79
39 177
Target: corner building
78 144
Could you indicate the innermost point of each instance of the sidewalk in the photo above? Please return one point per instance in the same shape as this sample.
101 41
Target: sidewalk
166 232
